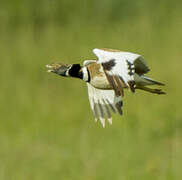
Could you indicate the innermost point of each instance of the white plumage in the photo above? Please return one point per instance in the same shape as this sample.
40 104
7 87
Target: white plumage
107 78
102 102
121 66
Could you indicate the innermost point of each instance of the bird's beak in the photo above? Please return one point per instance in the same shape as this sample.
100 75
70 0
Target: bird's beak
58 68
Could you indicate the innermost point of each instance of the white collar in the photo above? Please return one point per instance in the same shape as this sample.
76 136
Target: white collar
85 74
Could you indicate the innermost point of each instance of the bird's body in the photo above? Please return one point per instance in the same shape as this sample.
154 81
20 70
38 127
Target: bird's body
98 78
108 77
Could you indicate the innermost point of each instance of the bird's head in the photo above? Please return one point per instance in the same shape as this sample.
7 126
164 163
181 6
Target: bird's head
68 70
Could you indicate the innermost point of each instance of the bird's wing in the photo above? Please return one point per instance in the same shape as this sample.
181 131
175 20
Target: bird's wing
87 62
140 66
119 68
102 102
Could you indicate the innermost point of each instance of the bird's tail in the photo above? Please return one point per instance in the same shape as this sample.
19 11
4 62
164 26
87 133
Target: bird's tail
143 81
150 81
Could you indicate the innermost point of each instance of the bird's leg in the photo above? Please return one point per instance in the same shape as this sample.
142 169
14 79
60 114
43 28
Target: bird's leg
155 91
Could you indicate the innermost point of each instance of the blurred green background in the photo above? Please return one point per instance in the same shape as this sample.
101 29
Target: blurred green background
47 130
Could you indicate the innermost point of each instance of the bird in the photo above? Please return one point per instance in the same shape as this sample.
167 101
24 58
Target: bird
107 78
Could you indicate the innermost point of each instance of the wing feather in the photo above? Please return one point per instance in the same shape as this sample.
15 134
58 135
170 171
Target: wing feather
102 102
87 62
120 68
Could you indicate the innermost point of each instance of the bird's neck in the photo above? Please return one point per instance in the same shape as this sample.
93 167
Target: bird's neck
77 71
85 74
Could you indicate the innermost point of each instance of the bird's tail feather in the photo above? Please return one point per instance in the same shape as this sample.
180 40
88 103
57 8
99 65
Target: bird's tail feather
152 82
145 81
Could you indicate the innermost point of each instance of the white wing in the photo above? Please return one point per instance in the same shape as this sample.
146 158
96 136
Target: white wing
102 102
87 62
118 64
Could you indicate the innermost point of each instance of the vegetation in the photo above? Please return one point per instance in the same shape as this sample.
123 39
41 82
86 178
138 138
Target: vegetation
47 129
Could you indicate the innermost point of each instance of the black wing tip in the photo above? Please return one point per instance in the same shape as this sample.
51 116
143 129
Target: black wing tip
119 107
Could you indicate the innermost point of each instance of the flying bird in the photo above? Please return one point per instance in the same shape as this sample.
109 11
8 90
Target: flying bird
107 77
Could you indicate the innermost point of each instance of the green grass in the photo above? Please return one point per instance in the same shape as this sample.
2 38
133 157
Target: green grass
47 129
